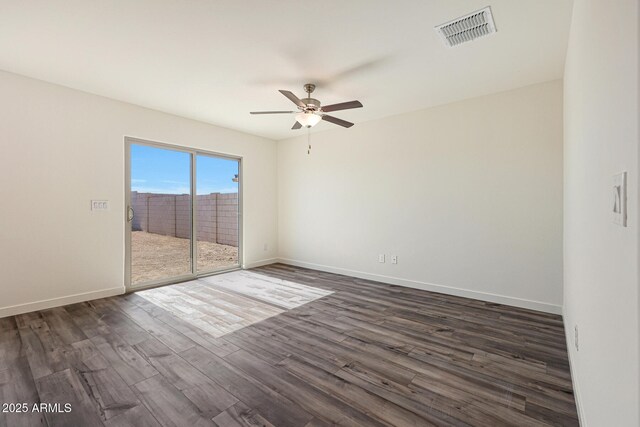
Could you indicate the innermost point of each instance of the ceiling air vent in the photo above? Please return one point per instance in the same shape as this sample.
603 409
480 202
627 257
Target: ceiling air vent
467 28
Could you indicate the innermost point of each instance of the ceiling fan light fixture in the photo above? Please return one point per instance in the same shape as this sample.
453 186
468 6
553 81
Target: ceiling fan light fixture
308 119
310 112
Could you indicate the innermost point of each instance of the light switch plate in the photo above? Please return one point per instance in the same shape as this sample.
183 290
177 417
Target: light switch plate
99 205
619 202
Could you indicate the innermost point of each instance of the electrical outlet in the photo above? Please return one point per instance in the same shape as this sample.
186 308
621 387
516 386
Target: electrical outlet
381 258
575 337
266 247
99 205
394 259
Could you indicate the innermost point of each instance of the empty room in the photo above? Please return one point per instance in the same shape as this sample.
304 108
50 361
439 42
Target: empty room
306 214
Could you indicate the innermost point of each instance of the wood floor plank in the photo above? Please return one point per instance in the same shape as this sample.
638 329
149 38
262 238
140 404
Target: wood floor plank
138 416
347 354
61 323
270 404
87 319
118 322
62 388
281 293
320 404
251 341
111 394
218 346
170 407
46 352
318 423
11 347
287 346
466 391
380 409
310 354
17 386
163 332
129 364
240 415
435 407
551 417
207 395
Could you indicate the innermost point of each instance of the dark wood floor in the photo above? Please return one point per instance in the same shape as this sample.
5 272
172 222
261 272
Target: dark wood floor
367 354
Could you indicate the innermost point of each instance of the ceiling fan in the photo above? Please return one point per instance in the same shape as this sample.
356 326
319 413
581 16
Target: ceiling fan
311 112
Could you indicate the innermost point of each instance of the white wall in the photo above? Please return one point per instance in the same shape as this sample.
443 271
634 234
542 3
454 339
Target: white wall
601 258
468 195
60 148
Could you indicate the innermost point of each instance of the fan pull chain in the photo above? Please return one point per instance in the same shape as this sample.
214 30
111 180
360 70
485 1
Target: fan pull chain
308 141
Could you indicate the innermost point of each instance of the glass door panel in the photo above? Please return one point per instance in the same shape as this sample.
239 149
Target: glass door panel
217 208
159 214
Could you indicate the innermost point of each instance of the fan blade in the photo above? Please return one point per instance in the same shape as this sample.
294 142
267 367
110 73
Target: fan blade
296 125
293 98
272 112
342 106
337 121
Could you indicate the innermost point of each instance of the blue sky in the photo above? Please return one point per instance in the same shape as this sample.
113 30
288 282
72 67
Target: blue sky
157 170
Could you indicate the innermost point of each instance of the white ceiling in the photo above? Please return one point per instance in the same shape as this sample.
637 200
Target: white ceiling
216 60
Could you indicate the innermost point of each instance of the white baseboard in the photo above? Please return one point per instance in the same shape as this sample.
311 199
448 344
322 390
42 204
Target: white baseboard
261 263
483 296
574 379
60 301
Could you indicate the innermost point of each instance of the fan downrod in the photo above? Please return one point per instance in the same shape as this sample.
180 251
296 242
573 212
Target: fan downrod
309 88
311 104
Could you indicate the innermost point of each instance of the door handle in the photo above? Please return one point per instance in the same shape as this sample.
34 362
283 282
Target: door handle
130 213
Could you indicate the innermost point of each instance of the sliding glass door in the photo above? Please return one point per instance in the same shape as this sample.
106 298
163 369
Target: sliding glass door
217 183
160 212
183 210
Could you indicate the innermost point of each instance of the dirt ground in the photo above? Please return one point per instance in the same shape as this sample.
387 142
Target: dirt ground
154 256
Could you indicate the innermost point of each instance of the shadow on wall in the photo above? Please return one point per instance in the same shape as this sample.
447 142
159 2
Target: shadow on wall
169 215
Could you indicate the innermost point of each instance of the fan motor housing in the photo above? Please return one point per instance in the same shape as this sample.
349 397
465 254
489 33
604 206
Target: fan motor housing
311 103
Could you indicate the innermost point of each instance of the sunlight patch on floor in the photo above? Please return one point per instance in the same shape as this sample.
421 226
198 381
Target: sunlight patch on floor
279 292
228 302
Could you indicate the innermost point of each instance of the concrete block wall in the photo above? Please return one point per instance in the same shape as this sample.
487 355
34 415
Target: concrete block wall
141 211
207 218
183 215
169 215
227 205
162 214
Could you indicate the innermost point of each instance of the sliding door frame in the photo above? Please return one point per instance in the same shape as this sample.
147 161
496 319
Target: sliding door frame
193 153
